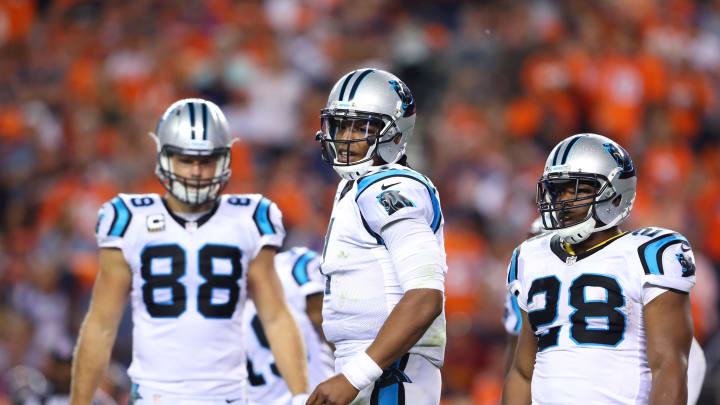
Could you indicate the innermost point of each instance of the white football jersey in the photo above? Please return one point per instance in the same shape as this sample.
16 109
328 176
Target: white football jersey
189 285
512 319
362 285
298 270
587 312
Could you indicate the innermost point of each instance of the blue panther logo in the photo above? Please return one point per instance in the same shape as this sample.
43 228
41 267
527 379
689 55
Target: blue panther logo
622 159
408 102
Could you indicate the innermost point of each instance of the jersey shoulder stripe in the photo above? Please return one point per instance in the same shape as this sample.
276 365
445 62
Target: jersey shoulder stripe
651 252
261 217
512 272
365 182
300 268
122 218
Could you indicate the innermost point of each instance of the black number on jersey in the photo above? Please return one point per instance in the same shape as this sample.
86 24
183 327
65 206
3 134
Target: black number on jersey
224 281
608 309
142 201
241 201
177 303
551 287
258 379
580 333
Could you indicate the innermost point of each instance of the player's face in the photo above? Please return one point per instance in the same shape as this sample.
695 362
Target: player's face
355 130
571 194
199 168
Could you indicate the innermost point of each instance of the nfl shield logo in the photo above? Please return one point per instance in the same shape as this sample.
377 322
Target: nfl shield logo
570 260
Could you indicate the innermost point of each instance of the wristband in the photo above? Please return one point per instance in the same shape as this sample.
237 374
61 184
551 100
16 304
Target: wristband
300 399
361 370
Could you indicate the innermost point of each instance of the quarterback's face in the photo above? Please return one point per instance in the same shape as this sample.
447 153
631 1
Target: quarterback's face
355 130
200 168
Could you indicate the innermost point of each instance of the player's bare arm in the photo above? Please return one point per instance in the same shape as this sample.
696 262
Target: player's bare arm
281 329
517 382
668 322
99 328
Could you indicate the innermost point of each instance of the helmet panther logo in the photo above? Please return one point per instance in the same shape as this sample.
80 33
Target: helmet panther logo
408 102
622 159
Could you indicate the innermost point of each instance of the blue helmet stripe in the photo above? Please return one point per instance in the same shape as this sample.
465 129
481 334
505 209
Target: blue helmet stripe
557 152
300 268
365 182
122 218
262 217
651 252
345 83
191 110
357 82
568 148
205 120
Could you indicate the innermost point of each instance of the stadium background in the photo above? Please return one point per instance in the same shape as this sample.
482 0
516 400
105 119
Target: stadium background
497 83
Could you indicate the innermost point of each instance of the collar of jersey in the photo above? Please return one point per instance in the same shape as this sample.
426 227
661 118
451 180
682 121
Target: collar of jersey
558 247
182 221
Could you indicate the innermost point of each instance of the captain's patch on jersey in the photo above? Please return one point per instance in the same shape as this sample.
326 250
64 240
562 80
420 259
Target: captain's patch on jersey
156 223
392 201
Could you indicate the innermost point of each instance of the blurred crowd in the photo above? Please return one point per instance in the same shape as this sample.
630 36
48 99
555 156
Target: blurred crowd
497 84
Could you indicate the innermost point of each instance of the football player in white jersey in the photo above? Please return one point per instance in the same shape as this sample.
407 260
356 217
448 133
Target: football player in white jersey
299 272
384 257
605 313
188 261
512 320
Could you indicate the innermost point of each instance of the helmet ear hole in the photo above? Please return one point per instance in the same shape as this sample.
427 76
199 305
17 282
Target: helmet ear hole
616 202
397 138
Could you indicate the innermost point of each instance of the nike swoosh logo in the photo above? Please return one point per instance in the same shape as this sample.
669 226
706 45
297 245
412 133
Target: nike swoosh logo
385 187
684 247
230 401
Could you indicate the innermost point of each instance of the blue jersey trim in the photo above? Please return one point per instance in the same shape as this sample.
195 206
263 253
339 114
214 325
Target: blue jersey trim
367 181
651 252
300 268
122 218
518 314
262 217
512 273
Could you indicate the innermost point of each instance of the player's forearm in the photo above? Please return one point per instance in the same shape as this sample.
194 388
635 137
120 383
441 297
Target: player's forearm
288 348
405 325
669 384
91 358
516 390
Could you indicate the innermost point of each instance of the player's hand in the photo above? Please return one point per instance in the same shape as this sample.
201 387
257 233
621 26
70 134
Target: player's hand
336 390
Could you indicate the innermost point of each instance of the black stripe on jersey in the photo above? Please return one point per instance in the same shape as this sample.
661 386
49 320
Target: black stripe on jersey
347 188
377 237
671 289
649 232
658 255
182 221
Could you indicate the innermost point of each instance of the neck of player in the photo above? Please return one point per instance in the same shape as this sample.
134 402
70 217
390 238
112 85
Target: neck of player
178 206
595 240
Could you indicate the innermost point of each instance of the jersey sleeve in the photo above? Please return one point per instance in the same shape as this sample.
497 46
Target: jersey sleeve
395 198
512 319
668 263
306 272
113 220
268 220
514 279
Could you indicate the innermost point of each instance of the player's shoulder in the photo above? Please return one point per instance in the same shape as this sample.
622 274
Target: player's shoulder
396 177
298 262
117 213
262 210
651 243
532 247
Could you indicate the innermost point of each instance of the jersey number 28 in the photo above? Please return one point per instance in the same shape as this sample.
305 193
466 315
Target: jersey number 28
177 305
580 331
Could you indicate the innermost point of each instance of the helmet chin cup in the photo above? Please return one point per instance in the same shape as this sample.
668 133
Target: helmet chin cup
578 232
353 171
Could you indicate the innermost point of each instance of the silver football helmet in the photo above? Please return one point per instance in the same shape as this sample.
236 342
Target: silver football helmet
591 162
193 127
375 102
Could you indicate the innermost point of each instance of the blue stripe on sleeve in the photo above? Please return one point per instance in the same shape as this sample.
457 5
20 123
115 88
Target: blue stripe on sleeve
300 268
122 219
389 395
366 182
518 314
512 274
651 252
262 217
